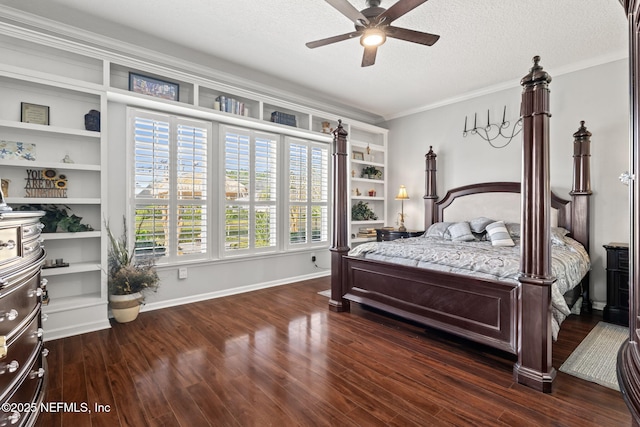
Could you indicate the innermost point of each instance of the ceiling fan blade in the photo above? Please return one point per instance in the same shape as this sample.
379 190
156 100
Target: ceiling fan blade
334 39
398 9
412 35
369 57
347 9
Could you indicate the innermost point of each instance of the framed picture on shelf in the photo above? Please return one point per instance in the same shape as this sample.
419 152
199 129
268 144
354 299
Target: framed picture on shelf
153 87
33 113
358 155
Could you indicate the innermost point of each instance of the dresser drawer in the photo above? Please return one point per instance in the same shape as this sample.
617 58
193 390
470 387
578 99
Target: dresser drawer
10 244
18 298
26 397
623 260
22 351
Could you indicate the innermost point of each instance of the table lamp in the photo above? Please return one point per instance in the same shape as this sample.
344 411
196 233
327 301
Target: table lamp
402 196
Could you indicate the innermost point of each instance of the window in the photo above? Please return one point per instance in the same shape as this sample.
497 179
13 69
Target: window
308 195
170 186
250 174
264 193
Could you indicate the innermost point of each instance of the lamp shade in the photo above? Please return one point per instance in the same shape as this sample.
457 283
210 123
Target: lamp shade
402 193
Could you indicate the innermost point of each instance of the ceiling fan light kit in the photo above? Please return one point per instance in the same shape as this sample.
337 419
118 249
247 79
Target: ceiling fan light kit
373 26
373 37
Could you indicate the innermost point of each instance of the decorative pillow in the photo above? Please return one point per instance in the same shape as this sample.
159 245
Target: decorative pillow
439 229
498 234
514 229
461 232
478 225
557 235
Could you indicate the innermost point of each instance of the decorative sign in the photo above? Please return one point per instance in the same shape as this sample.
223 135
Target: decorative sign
13 150
33 113
45 183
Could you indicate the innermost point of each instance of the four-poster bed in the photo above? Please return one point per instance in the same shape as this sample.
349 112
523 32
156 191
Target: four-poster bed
514 317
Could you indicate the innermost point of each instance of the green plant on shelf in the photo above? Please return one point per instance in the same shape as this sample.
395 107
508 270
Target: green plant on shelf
361 212
57 219
371 172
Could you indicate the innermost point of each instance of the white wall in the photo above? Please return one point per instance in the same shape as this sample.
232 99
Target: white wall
597 95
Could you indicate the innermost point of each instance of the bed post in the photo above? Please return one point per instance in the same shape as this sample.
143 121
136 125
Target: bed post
580 195
534 366
339 245
430 196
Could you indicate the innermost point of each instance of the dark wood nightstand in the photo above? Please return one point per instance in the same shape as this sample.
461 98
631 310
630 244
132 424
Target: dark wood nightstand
384 235
617 308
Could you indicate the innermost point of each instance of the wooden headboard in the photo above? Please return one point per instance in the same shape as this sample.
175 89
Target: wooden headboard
495 200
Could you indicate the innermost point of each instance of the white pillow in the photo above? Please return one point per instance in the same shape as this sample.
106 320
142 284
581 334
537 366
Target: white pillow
439 229
479 225
498 234
461 232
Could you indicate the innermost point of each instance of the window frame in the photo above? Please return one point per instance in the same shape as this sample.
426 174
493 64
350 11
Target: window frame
309 203
252 203
173 202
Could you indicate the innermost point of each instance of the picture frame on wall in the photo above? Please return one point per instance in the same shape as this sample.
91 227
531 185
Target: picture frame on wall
152 86
34 113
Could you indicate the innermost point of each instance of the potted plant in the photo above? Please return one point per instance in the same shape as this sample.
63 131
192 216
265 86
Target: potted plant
56 218
361 212
371 172
128 278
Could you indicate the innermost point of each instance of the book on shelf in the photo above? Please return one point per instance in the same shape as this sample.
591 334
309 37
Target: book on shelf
231 105
283 118
366 232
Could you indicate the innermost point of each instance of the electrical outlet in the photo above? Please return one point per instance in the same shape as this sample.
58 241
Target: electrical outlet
182 273
313 257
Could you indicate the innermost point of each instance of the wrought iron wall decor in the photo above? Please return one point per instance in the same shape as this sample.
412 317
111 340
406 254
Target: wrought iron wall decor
492 131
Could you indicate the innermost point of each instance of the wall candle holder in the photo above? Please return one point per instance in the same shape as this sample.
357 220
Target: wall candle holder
486 132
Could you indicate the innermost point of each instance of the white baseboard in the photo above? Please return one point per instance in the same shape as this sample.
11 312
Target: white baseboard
597 305
84 328
227 292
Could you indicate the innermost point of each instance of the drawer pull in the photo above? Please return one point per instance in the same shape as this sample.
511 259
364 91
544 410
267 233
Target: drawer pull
35 293
36 373
10 419
9 315
45 352
10 244
10 367
44 282
44 317
38 333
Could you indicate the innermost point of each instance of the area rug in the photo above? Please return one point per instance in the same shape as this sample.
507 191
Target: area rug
595 358
326 293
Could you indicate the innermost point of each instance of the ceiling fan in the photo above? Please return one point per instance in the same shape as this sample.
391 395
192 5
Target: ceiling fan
373 26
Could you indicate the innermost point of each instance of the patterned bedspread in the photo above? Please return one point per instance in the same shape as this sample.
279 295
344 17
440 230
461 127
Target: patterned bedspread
570 262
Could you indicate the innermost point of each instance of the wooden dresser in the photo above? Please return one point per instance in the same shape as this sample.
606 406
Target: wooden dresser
617 308
22 363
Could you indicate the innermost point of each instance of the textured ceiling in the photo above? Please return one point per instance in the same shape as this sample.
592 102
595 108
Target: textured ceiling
483 44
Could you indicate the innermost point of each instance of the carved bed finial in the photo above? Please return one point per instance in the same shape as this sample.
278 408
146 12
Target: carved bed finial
536 74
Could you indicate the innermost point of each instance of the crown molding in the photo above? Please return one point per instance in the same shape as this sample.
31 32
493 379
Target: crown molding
593 62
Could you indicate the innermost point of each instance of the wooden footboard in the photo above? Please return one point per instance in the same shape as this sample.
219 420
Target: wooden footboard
480 310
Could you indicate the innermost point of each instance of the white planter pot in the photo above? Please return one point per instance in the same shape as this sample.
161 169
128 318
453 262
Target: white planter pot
125 308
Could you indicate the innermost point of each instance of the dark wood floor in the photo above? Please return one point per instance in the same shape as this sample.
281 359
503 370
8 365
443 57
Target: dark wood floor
280 357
